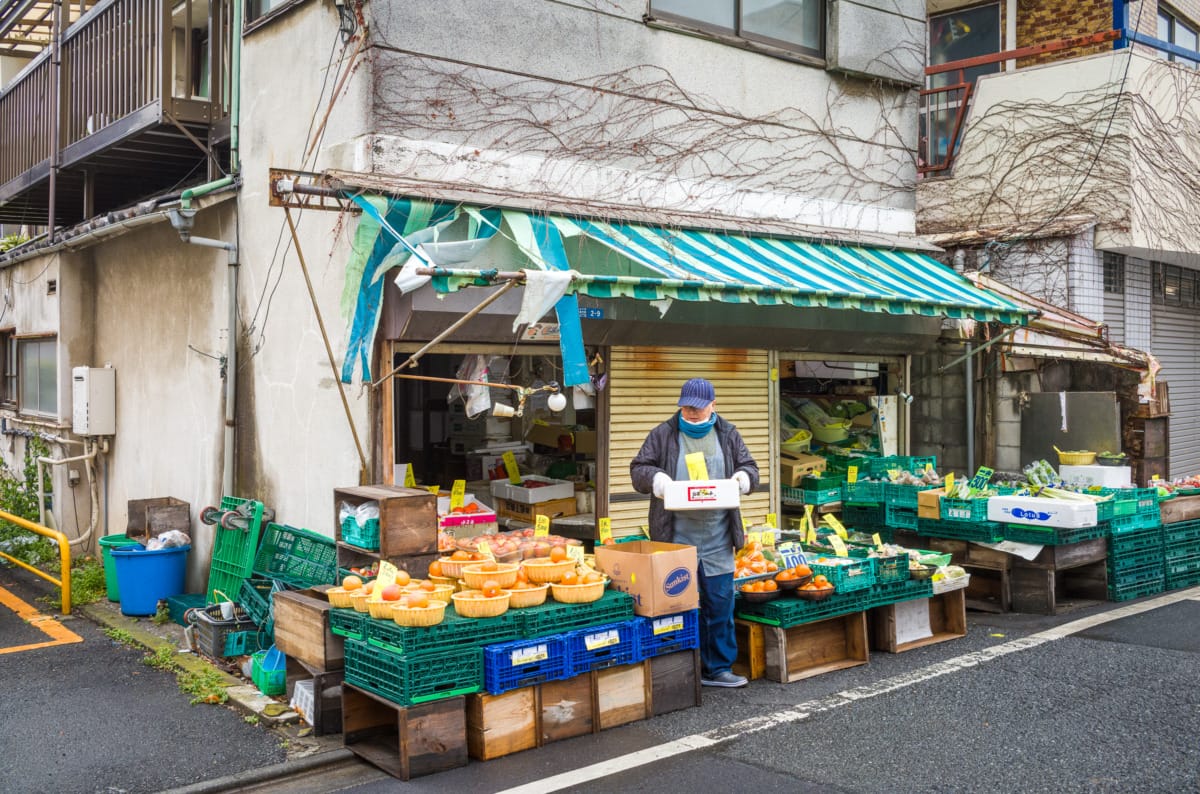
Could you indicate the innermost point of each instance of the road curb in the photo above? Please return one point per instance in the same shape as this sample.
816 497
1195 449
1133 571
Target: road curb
266 774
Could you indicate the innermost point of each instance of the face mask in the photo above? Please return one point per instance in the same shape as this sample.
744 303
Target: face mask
697 429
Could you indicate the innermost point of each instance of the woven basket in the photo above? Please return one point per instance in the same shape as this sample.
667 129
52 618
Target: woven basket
453 568
505 575
444 580
381 610
338 597
471 607
542 570
578 593
358 600
532 596
422 616
1075 458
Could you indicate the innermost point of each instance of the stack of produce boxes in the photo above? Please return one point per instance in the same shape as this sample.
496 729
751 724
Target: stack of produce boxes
1182 554
1135 544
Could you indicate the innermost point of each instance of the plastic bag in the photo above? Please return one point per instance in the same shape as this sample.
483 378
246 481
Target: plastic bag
172 539
477 398
362 513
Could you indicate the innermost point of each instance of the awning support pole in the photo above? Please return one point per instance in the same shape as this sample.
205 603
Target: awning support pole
969 371
362 457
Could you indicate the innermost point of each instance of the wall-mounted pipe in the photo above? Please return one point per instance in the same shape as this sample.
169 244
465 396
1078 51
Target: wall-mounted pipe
89 458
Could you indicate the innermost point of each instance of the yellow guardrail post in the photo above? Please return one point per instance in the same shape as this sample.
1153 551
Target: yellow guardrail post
64 551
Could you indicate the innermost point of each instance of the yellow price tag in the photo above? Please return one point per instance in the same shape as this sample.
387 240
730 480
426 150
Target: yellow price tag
457 492
949 484
386 576
811 538
772 521
836 526
878 541
409 480
754 537
928 466
485 549
433 489
604 527
808 514
541 527
745 523
774 374
510 466
839 546
852 475
697 467
575 553
768 539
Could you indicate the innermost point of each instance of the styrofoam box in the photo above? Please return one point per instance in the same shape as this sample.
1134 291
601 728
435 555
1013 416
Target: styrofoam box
1104 476
1040 511
486 515
554 489
702 495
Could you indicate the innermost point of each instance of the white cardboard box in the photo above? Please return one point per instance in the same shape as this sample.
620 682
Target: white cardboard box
702 495
553 489
1040 511
1105 476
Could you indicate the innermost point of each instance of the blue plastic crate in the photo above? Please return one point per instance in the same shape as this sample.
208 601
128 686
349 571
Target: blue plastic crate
668 634
511 665
597 647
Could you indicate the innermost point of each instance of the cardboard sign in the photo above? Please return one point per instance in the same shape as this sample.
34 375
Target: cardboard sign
457 492
768 539
792 555
575 553
949 483
433 489
387 576
754 537
878 541
772 521
486 550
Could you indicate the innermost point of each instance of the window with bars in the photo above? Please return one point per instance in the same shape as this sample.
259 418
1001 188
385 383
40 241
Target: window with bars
1114 273
1174 286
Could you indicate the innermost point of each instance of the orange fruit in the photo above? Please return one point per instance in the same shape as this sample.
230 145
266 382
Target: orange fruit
460 556
819 580
592 578
402 578
390 593
803 570
427 585
351 583
570 577
769 586
435 568
418 601
488 566
558 554
772 567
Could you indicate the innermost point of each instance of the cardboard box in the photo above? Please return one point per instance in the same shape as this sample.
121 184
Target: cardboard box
1038 511
547 435
793 468
661 577
702 495
929 504
556 508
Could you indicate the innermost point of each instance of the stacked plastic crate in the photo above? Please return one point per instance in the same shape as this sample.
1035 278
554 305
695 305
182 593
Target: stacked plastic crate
1135 545
1181 558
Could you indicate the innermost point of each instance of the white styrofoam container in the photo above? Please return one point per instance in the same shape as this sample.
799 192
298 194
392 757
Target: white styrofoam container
554 489
486 515
1105 476
1040 511
702 495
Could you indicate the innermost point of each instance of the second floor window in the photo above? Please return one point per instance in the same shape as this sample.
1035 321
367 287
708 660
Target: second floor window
797 25
1114 273
963 34
1173 30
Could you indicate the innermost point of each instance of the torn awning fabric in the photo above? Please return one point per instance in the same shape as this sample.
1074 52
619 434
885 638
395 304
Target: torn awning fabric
652 263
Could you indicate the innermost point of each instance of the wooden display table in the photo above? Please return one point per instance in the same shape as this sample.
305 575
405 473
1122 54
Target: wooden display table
1181 508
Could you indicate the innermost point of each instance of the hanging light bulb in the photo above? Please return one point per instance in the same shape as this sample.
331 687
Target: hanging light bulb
556 402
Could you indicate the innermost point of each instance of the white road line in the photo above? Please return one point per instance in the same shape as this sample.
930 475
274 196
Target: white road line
803 711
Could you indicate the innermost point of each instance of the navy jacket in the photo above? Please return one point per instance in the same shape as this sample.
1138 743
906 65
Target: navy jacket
660 452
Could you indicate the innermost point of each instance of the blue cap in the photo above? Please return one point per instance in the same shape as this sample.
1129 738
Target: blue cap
696 393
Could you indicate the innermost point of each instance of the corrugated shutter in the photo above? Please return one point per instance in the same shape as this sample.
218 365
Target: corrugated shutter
1174 344
643 388
1114 315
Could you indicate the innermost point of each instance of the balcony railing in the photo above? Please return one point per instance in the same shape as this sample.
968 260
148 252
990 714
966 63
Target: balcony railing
127 67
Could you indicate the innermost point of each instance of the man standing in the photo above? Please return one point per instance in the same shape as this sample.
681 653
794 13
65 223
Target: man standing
716 534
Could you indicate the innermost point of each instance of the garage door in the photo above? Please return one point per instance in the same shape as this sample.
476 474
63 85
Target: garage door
643 390
1175 331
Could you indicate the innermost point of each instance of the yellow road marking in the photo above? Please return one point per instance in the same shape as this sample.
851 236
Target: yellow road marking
57 632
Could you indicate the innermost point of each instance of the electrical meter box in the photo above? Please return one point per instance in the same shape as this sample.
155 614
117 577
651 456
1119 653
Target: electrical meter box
94 401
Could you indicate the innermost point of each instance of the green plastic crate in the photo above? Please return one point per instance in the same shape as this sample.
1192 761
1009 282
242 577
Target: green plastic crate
895 592
1052 536
978 531
233 551
1131 576
787 610
178 605
349 623
364 537
853 515
1181 581
869 492
410 680
555 618
297 557
1181 531
453 632
911 463
963 509
255 598
1182 566
1126 539
821 482
1129 560
1176 551
889 570
271 681
1136 589
846 576
901 517
897 495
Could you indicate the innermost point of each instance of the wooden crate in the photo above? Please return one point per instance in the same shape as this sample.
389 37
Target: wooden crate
555 508
674 681
990 589
149 518
751 657
815 648
498 725
302 629
896 628
405 741
567 708
327 695
623 694
1042 591
407 517
1181 508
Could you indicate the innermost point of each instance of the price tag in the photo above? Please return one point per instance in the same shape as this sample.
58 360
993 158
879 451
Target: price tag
534 653
667 625
792 555
772 521
575 553
981 479
433 489
409 480
510 466
948 484
541 528
835 525
485 549
387 576
808 514
754 537
852 475
928 466
878 541
697 467
457 492
745 523
768 539
839 546
601 639
774 374
811 537
604 527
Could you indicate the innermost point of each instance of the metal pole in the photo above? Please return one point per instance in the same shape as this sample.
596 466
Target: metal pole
968 371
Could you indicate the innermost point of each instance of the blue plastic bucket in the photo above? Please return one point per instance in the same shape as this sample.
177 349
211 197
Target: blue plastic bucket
146 577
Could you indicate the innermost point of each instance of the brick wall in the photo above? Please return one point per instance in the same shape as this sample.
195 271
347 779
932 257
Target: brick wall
1041 21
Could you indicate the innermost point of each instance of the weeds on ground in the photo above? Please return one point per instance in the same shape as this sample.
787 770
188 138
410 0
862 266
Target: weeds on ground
162 616
122 636
205 686
18 496
87 584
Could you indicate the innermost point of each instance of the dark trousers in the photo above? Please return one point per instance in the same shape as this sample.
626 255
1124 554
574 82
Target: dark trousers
718 644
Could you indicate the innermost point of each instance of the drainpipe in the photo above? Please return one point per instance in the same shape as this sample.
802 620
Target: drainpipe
185 198
182 220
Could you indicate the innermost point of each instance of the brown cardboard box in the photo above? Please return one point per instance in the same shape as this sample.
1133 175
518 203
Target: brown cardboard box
929 504
661 577
547 436
792 468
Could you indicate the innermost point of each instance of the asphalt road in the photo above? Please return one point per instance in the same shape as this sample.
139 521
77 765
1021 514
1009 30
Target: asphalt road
1101 699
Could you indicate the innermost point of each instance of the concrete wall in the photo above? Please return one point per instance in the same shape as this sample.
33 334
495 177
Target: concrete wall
612 110
939 411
